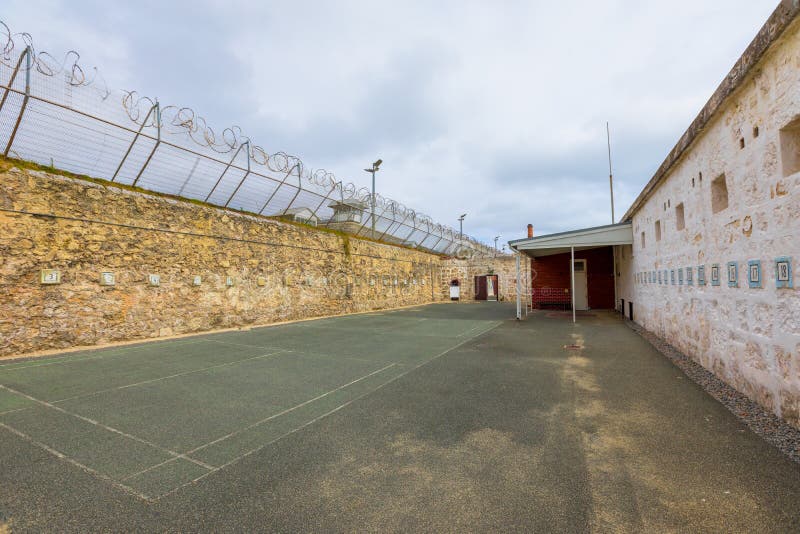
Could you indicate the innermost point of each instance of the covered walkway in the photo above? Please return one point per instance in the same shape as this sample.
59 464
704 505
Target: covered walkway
574 270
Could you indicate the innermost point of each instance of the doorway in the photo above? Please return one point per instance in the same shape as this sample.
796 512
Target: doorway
487 287
581 286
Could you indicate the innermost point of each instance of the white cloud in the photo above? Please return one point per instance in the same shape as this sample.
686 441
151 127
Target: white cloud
497 109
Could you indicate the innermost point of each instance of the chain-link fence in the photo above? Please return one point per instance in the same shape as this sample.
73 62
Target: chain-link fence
56 113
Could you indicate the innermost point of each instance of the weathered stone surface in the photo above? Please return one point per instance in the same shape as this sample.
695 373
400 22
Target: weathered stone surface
84 228
465 271
748 336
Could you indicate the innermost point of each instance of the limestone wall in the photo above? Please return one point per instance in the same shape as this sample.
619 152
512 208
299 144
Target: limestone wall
465 270
746 331
277 271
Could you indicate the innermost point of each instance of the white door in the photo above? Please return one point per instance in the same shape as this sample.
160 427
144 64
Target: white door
581 287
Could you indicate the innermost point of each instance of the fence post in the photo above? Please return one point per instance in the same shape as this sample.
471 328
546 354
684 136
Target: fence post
297 194
135 137
327 196
373 223
11 80
191 173
413 229
247 153
27 54
433 248
388 228
158 142
221 176
288 174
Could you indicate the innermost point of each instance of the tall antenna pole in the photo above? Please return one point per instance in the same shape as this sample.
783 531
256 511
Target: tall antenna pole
610 174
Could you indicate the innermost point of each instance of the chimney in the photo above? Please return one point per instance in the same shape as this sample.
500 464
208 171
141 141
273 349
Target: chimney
530 230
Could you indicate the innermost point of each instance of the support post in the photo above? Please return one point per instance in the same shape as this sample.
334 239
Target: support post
433 248
135 137
247 154
373 222
327 196
288 174
392 224
519 296
27 53
12 78
228 166
191 173
572 277
614 256
158 142
297 194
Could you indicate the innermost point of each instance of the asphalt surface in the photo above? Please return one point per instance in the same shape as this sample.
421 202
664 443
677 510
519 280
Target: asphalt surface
532 426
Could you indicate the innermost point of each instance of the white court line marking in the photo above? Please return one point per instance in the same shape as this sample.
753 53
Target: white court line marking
284 412
470 330
301 352
17 410
248 453
45 361
77 464
262 421
319 355
143 382
244 345
108 428
386 329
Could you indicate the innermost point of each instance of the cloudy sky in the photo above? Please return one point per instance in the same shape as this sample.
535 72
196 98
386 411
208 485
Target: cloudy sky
496 109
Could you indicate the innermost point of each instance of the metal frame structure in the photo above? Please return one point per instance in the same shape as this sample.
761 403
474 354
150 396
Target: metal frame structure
61 118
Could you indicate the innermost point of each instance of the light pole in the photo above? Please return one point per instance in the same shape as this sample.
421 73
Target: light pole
461 226
372 170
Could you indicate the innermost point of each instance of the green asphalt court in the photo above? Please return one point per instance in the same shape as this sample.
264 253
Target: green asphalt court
439 418
152 418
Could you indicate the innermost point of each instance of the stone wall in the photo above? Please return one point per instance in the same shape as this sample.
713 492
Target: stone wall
465 271
251 270
733 198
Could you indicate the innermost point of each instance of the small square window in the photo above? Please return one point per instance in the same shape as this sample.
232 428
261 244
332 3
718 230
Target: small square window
790 147
672 277
719 194
680 221
701 275
715 274
689 276
754 273
680 276
733 274
658 230
659 278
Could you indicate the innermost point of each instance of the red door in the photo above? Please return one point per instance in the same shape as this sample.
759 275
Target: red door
480 288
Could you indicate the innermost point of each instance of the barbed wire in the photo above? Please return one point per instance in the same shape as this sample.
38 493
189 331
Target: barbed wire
98 123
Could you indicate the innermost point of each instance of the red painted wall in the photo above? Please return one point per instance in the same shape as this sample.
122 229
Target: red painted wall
553 272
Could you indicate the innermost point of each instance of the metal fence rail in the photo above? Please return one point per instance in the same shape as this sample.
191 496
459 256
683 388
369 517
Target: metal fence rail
56 113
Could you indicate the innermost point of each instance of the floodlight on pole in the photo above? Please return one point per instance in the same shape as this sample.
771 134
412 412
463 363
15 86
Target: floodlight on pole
372 170
461 226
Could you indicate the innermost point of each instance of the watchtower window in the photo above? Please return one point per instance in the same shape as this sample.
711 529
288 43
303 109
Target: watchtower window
719 194
790 147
